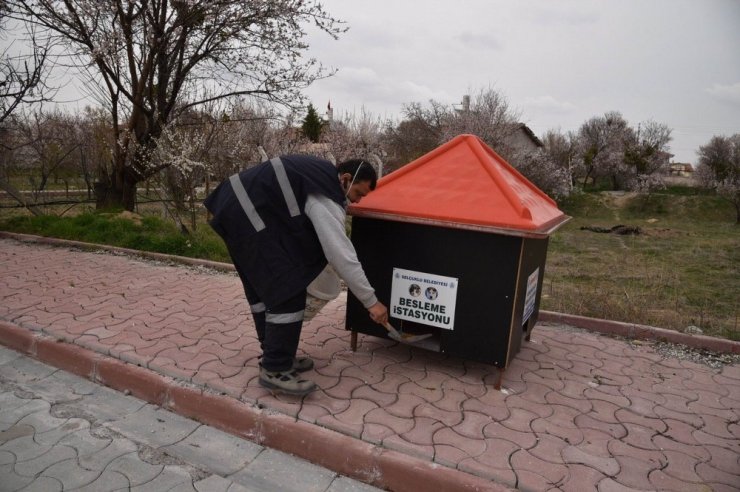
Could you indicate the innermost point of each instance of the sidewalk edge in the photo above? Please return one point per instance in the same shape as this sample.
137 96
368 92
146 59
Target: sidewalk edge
642 332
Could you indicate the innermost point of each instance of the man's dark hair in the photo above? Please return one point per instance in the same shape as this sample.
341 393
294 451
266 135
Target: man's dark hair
360 170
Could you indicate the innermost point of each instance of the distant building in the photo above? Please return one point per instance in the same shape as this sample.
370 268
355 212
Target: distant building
329 115
680 169
524 139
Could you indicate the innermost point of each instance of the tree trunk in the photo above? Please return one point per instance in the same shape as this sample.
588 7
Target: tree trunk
117 192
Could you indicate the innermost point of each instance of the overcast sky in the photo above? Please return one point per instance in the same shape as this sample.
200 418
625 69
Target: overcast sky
558 62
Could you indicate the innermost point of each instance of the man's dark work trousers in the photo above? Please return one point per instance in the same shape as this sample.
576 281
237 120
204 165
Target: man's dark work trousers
278 328
283 325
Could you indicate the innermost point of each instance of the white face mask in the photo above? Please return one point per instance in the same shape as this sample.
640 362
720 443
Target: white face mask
346 194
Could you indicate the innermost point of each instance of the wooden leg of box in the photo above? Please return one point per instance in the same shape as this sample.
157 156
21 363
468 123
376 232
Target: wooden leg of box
499 378
353 341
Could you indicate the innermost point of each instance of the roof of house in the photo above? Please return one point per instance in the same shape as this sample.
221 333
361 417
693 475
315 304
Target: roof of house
463 184
528 131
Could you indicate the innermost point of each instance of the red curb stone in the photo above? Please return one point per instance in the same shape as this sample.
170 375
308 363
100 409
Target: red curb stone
343 454
71 358
142 383
16 338
635 331
504 476
223 412
402 473
397 443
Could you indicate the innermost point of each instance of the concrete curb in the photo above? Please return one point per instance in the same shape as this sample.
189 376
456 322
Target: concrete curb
607 327
642 332
343 454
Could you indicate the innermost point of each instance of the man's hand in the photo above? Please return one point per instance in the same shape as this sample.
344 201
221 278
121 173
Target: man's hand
378 313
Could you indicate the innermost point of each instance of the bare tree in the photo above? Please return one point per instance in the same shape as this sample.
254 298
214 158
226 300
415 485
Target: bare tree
490 117
355 136
153 59
601 142
423 128
719 168
50 150
411 138
562 149
646 154
544 171
95 135
22 75
22 82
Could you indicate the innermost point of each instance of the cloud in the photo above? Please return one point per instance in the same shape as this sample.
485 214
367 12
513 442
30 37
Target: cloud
358 86
477 40
725 93
564 13
548 104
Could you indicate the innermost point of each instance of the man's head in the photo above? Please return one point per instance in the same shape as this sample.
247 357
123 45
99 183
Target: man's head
357 177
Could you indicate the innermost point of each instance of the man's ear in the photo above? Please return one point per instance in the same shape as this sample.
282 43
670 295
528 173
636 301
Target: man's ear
345 179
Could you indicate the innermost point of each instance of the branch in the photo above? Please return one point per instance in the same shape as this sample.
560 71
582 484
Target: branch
227 95
10 189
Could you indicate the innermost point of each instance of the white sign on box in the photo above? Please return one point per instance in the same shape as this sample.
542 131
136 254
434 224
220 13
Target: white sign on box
531 294
424 298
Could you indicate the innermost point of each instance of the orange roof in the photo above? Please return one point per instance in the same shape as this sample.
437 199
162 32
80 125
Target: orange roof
463 184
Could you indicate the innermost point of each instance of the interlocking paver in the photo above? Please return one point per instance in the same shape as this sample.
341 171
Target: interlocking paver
581 478
662 481
554 473
137 472
607 466
214 483
25 370
154 426
25 449
469 424
448 437
71 474
549 448
80 454
710 474
11 480
34 466
569 396
60 432
101 459
217 451
15 408
276 471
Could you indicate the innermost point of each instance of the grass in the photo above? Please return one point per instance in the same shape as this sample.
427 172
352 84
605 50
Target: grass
147 233
683 270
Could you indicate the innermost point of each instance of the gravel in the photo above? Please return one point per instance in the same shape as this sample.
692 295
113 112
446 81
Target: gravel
700 356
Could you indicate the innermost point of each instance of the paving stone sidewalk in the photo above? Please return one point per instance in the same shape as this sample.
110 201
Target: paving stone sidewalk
61 432
578 411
